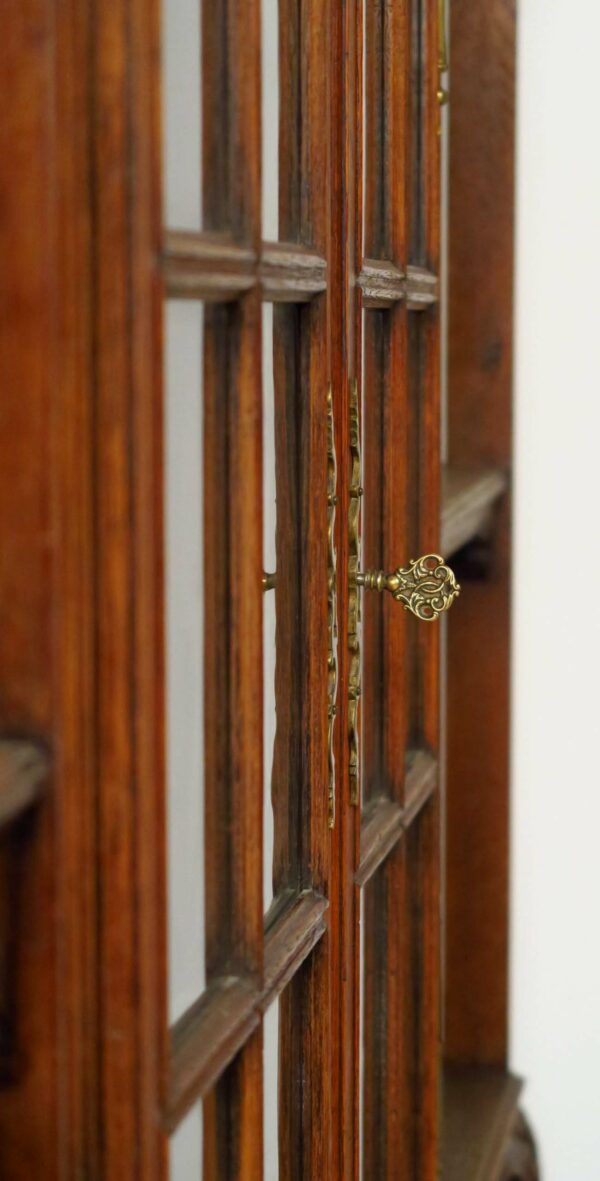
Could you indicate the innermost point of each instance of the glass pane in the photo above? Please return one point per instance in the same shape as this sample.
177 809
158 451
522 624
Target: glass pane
185 1156
269 598
182 117
271 1097
270 119
184 567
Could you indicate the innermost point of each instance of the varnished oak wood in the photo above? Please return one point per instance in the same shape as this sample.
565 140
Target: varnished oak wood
479 1111
468 500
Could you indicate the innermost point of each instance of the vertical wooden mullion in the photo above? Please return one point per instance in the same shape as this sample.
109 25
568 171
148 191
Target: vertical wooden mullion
301 362
345 368
233 568
388 1100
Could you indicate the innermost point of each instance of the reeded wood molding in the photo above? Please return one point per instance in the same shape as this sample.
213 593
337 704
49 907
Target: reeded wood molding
209 1035
422 289
214 268
480 1107
206 266
291 274
386 820
383 284
23 768
468 498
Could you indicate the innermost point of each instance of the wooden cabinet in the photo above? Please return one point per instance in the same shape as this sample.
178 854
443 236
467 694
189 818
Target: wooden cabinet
254 792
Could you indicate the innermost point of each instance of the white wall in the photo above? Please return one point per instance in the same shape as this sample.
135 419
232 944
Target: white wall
556 780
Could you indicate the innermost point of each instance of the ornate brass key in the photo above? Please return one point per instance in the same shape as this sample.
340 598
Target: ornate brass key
426 587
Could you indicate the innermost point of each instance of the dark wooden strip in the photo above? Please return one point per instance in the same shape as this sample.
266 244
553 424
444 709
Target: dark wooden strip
23 768
422 289
213 267
468 499
382 283
209 1035
206 266
480 1106
386 820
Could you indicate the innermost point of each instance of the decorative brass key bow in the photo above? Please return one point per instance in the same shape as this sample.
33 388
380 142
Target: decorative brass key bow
426 587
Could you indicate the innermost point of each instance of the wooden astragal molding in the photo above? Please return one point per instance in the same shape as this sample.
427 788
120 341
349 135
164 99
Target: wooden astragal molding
213 267
207 1037
383 284
386 820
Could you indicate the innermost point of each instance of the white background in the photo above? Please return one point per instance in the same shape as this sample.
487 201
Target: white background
556 772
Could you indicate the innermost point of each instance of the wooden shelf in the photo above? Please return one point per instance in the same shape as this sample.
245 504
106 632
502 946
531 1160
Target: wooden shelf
23 768
468 499
480 1107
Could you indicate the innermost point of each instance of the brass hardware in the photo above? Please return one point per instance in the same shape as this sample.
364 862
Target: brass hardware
269 581
427 587
354 596
332 661
442 94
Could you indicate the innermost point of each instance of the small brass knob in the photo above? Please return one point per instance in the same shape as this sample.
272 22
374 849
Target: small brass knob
426 587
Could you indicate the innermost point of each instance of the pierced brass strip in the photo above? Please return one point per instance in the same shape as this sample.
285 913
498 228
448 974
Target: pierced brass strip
442 94
354 597
332 661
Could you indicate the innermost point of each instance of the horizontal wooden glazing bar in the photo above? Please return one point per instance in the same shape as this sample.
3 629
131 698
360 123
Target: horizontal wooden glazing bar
468 499
386 820
383 284
209 1035
215 268
23 768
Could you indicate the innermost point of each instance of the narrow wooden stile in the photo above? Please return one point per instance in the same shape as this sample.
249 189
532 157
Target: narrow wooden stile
387 444
425 884
301 382
233 594
345 368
